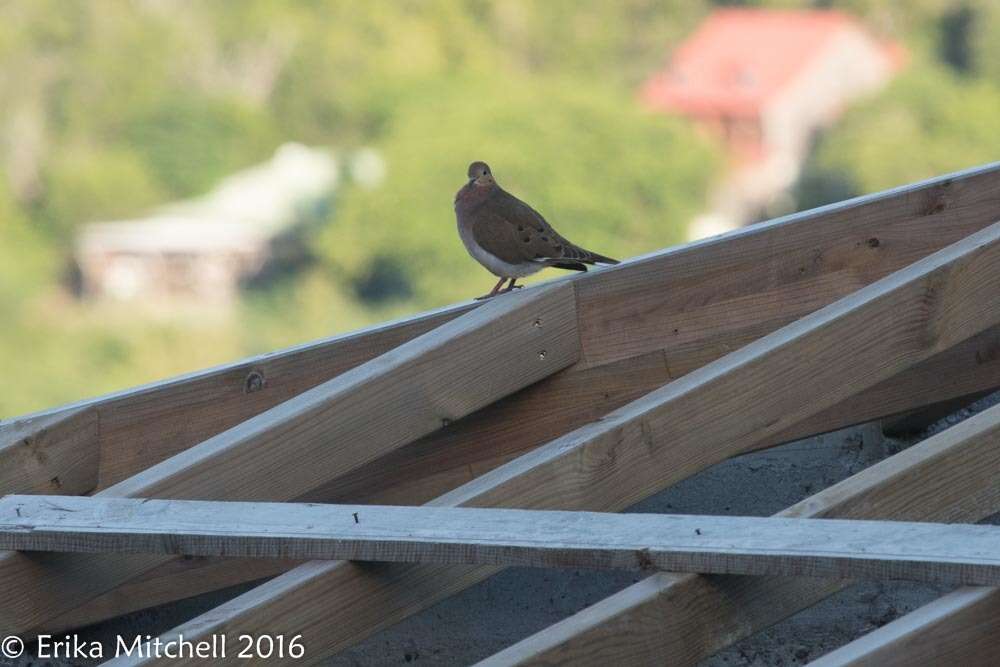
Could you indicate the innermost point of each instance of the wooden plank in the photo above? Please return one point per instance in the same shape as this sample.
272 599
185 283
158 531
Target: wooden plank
955 372
700 301
502 431
145 425
931 552
331 429
176 579
173 580
659 439
960 628
683 619
51 454
695 303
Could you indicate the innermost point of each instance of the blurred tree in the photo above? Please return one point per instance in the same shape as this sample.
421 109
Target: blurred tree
87 184
985 40
191 142
956 37
27 263
928 122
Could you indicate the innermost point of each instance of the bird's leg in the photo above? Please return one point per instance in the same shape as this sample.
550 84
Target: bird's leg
494 291
512 286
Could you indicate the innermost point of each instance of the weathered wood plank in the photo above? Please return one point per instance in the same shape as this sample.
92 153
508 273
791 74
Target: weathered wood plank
694 302
51 454
932 552
960 629
659 439
329 430
145 425
733 289
682 619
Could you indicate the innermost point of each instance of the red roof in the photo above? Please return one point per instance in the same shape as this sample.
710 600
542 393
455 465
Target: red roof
739 58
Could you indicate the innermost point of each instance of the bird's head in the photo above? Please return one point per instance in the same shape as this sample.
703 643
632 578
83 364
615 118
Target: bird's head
480 174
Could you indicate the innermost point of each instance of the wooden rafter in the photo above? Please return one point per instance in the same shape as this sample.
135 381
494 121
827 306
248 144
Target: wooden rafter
145 425
683 619
661 438
959 628
54 453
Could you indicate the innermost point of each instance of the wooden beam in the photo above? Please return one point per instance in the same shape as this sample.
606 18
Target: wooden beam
145 425
932 552
703 300
329 430
51 454
683 619
667 435
693 303
959 628
176 579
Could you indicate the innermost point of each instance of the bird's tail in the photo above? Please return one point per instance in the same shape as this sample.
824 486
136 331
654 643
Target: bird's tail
594 258
574 253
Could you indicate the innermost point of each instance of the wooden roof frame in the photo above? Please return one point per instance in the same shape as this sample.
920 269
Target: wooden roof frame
565 396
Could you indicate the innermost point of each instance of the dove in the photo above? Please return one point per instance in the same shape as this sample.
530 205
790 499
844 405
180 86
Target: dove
508 237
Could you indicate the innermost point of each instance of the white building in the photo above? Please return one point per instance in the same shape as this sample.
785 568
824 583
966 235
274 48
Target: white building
205 247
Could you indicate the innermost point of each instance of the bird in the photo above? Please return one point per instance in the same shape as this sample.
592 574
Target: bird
508 237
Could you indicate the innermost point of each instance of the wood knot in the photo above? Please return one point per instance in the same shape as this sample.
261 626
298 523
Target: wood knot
643 560
873 242
936 200
254 382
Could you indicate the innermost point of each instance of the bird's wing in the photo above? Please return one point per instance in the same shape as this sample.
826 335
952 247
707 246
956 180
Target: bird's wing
516 233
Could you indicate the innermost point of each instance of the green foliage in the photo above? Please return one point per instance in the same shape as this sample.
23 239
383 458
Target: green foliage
86 184
191 142
26 261
928 122
985 40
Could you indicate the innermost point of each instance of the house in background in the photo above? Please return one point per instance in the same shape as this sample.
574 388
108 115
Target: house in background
203 249
764 81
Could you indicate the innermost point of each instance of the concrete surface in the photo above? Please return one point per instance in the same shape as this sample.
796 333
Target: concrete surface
519 602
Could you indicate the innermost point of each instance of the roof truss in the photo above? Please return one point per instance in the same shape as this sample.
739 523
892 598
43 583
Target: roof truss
833 317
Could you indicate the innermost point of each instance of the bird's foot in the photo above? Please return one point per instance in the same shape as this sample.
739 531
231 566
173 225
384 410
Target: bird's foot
496 289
